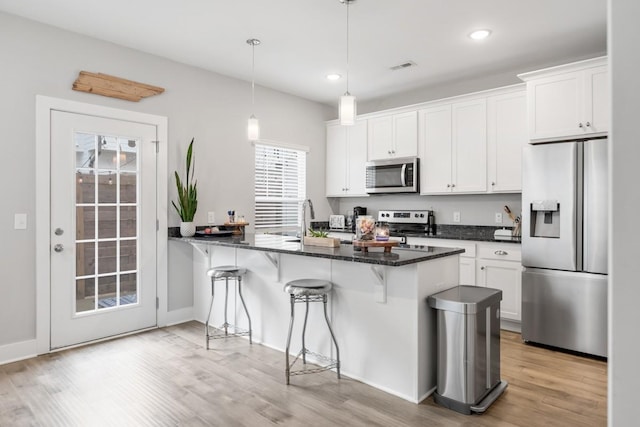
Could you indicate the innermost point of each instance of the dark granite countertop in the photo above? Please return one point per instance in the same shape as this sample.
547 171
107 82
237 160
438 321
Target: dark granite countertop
407 254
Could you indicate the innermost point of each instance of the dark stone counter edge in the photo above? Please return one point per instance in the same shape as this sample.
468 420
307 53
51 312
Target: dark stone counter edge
373 258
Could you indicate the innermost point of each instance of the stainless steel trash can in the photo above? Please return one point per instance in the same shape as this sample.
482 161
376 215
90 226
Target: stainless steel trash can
468 348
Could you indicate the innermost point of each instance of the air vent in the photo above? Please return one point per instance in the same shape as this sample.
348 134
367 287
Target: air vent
404 65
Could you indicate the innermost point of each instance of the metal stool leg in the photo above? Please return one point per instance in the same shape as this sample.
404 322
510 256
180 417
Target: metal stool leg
333 337
239 280
304 331
226 299
286 352
206 325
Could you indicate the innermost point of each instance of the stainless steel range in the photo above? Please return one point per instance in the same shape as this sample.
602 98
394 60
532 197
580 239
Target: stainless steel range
403 223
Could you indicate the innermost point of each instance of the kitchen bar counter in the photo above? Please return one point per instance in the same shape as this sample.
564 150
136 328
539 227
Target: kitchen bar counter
407 254
378 309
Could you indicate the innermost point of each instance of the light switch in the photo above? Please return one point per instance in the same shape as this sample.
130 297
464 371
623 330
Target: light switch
456 217
20 221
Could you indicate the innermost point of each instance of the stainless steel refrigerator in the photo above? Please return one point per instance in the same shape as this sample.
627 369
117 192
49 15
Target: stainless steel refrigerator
564 245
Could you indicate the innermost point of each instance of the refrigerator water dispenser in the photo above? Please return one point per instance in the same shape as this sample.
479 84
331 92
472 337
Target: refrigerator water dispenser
545 219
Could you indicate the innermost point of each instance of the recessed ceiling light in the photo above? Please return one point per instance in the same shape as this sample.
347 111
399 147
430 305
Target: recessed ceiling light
480 34
333 77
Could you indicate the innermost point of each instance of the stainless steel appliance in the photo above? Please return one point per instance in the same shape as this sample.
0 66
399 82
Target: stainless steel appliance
357 211
403 223
564 245
393 176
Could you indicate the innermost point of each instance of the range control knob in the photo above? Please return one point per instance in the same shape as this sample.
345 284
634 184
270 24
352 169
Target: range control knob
421 215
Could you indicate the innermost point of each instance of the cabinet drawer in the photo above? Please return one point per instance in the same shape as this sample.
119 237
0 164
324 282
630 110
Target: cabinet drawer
505 252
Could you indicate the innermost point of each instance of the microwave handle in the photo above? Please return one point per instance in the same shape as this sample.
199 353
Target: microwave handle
403 175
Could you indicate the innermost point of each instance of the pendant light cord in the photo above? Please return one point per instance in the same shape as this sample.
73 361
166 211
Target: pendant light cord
347 3
253 75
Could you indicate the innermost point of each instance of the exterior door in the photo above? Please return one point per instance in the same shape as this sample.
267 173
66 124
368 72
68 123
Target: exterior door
102 227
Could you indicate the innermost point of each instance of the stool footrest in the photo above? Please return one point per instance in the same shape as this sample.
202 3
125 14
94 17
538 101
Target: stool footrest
325 362
232 331
311 298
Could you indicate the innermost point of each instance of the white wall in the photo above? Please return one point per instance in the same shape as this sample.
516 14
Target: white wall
39 59
624 289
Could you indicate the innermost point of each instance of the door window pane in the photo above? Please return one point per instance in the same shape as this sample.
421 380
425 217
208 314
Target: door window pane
107 257
85 222
85 259
107 221
128 187
85 294
128 255
128 221
107 287
128 289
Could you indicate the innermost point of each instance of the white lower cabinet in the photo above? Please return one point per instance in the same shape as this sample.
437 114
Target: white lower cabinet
488 264
498 266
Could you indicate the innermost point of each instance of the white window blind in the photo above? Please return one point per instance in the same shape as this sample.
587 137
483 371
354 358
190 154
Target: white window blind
280 186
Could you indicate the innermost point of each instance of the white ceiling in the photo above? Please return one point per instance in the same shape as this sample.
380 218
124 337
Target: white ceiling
303 40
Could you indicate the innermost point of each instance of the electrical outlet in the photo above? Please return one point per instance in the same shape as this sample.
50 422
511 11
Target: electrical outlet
498 218
20 221
211 218
456 217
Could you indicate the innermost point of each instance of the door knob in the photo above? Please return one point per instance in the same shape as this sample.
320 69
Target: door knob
58 248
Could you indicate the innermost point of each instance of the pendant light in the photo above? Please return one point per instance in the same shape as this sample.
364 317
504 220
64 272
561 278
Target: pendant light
253 127
347 107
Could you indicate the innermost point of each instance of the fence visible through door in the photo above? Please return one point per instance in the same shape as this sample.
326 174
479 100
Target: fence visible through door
103 227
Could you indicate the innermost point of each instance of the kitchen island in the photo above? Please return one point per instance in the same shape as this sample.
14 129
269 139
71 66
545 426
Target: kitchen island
385 330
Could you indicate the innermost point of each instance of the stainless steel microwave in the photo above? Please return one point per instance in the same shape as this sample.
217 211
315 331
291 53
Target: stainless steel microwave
393 176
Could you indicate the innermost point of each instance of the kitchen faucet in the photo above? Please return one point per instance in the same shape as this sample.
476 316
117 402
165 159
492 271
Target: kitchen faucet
303 230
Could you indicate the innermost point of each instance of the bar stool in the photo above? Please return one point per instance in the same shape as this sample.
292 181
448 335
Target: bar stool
309 290
226 272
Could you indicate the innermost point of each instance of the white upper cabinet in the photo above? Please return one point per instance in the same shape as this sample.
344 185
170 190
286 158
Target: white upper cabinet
393 136
453 148
346 157
569 101
506 135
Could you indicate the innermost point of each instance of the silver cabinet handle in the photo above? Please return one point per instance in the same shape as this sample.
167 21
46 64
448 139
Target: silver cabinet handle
448 185
493 183
482 268
501 252
59 232
580 125
58 248
453 185
388 151
588 124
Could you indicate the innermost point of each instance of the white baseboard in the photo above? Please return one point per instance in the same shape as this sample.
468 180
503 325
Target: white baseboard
510 325
18 351
179 316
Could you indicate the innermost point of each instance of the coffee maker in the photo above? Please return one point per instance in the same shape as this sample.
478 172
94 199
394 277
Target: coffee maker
357 211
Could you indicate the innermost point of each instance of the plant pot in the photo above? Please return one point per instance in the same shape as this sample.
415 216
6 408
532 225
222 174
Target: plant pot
187 229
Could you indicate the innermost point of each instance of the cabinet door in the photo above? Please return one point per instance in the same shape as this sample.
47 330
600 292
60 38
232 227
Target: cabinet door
405 134
555 106
356 159
506 135
380 138
336 161
597 105
506 276
435 156
467 274
469 147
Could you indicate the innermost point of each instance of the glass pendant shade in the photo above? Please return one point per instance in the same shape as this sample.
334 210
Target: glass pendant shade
253 129
347 109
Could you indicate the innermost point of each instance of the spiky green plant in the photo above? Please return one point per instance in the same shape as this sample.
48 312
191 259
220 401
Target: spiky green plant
187 193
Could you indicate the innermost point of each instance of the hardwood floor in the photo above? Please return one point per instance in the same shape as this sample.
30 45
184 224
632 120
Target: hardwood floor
165 378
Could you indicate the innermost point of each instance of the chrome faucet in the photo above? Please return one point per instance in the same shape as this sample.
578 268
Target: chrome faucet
303 230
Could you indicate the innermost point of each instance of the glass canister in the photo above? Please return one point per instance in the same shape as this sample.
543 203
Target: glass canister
365 227
382 232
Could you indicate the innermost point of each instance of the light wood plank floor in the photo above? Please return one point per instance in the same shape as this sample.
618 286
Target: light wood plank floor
165 378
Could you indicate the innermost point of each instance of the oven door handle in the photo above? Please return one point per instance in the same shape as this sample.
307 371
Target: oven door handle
403 175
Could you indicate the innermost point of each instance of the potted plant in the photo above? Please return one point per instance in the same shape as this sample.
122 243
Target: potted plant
187 197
